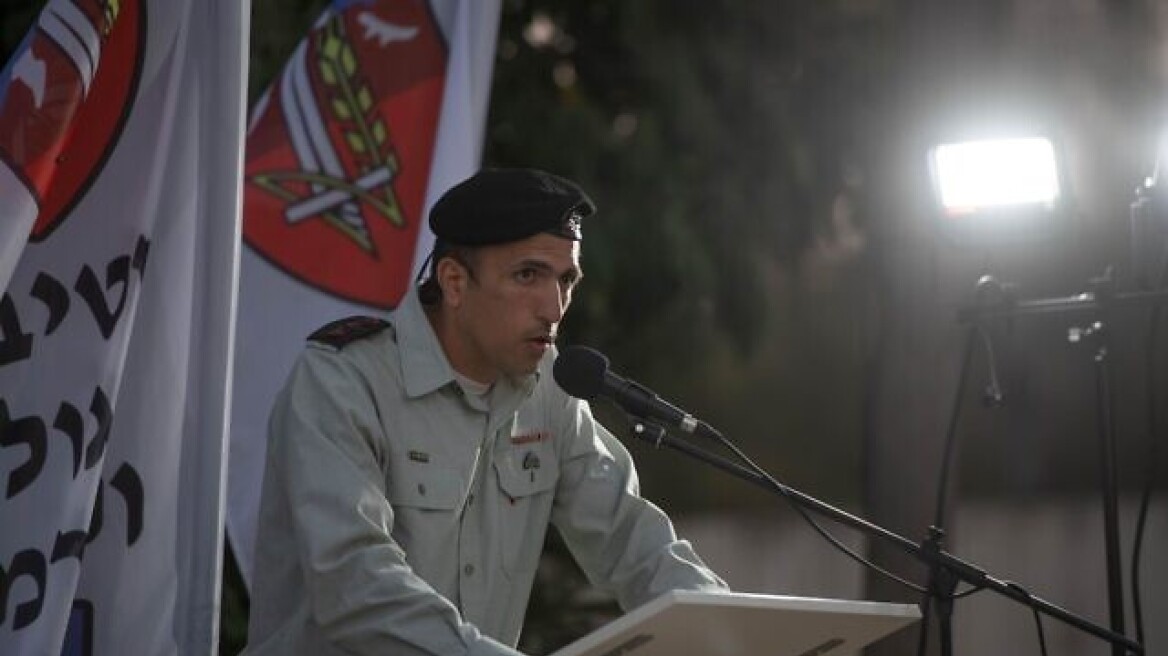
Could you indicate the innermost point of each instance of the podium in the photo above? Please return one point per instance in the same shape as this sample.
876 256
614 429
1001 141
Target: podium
689 623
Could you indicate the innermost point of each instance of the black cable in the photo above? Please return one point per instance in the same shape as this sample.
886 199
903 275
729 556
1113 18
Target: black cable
988 289
975 331
1041 634
1154 434
1037 616
1150 477
810 520
830 538
951 429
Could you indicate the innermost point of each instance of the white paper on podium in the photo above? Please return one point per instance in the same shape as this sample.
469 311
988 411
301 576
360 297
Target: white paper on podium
684 622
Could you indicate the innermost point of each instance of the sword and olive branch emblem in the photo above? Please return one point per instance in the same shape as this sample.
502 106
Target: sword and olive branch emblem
336 195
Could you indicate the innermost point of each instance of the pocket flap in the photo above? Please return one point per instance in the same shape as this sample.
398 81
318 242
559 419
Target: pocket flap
424 485
527 470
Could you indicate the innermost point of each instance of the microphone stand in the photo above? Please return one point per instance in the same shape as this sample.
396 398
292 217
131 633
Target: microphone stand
941 584
950 569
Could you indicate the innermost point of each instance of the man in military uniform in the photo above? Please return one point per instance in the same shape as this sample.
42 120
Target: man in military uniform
414 464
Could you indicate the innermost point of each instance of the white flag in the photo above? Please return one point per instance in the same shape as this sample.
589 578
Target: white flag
121 140
380 109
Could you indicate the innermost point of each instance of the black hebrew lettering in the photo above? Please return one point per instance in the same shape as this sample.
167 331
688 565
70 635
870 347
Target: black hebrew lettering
141 250
96 518
55 296
68 545
69 422
100 408
29 431
15 344
90 289
127 481
29 562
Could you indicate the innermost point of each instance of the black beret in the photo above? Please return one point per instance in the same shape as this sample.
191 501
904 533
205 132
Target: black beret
495 206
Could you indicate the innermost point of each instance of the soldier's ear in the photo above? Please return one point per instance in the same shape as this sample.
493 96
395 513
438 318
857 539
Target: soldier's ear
453 278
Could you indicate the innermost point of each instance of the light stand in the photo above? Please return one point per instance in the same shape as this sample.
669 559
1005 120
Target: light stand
951 568
1097 337
989 176
1097 304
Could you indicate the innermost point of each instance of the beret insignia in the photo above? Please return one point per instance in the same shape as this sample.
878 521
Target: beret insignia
343 332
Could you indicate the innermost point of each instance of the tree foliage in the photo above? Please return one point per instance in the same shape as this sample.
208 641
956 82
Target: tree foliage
716 136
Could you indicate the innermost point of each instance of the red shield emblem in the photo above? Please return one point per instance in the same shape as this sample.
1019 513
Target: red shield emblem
67 100
339 154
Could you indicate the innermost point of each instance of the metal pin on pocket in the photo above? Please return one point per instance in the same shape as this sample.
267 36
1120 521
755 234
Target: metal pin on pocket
531 463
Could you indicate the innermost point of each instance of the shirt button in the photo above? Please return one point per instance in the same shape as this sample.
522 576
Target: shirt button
468 569
421 489
470 500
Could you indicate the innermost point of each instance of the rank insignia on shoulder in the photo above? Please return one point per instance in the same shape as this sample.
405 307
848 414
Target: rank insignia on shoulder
342 332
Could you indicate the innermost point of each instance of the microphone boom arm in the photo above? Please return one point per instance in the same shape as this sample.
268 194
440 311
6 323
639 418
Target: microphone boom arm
926 553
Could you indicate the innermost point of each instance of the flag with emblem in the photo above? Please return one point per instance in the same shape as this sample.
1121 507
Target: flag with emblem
379 110
121 142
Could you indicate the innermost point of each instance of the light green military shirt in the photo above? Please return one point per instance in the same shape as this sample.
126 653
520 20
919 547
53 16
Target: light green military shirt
402 515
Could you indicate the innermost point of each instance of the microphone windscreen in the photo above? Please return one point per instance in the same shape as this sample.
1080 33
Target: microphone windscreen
580 371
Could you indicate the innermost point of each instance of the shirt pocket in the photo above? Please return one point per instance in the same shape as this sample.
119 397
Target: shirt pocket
527 477
425 486
425 498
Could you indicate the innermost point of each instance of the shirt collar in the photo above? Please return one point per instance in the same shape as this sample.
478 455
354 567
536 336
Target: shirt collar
425 367
424 364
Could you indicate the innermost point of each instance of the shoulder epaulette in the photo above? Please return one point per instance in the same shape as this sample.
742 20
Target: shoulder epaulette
342 332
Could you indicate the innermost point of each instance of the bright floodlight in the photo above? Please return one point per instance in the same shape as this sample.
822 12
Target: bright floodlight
995 174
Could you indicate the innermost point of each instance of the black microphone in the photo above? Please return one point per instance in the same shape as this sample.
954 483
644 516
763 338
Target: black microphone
583 373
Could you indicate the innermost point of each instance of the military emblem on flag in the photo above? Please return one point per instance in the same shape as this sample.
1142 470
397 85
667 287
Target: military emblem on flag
338 156
54 85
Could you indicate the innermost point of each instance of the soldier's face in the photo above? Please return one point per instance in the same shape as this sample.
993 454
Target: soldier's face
507 314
